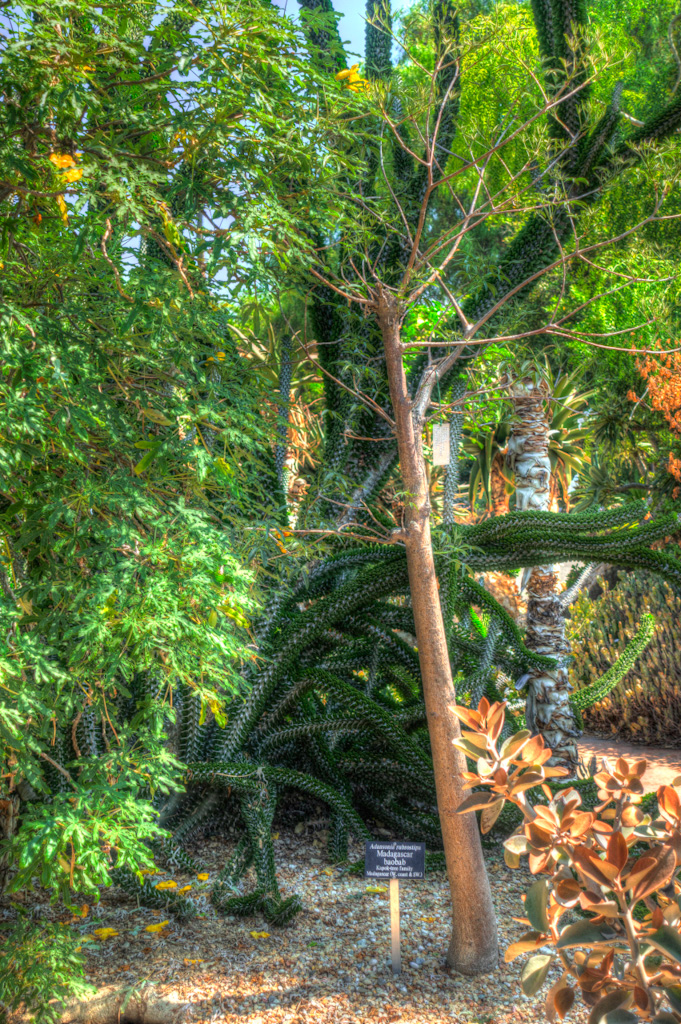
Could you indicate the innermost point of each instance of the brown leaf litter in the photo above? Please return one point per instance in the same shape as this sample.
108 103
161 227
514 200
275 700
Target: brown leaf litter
330 966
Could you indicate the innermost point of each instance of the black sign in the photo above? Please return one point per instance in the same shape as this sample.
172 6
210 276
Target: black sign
394 860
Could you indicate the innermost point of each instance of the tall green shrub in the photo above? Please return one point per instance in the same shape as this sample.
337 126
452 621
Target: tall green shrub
145 155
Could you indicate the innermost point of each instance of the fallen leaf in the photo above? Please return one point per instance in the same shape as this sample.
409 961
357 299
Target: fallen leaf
428 919
190 963
376 888
260 935
328 871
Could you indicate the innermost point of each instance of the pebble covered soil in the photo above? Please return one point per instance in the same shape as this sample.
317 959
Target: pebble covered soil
331 966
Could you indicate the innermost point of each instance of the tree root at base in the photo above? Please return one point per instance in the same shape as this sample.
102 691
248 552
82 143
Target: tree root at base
130 1004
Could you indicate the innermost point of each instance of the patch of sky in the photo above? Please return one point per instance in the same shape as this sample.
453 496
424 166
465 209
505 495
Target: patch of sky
352 23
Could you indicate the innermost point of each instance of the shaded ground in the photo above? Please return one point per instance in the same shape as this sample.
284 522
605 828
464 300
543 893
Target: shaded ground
664 765
332 966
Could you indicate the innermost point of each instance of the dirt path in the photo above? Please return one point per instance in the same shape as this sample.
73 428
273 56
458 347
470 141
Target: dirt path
664 765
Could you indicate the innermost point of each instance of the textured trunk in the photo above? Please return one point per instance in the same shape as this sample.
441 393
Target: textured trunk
548 708
9 822
473 946
497 485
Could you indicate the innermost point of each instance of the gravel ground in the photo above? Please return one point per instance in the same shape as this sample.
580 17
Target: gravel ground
331 965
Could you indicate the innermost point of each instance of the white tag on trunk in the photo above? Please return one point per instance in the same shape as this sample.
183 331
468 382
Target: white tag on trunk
441 444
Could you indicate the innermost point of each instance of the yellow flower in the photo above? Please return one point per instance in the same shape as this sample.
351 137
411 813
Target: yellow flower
105 933
203 877
428 919
159 926
260 935
185 888
75 175
166 885
342 75
147 871
352 78
63 209
62 160
377 888
188 963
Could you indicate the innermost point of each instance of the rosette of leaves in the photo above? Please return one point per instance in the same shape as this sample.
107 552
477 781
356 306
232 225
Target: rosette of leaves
615 865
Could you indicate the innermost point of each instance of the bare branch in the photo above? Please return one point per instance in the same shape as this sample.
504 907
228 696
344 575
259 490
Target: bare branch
374 406
105 238
339 291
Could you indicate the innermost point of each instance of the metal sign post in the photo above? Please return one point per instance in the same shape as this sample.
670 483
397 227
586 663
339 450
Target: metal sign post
390 862
395 925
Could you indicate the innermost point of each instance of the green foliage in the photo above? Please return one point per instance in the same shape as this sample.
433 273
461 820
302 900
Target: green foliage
146 156
140 485
40 963
335 710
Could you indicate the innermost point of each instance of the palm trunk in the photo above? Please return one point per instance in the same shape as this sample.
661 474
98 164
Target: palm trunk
548 710
473 947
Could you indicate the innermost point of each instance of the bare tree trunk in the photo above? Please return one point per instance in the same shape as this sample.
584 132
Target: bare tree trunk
473 947
548 710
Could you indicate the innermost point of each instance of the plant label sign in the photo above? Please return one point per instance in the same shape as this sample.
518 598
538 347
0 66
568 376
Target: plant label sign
394 860
441 453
